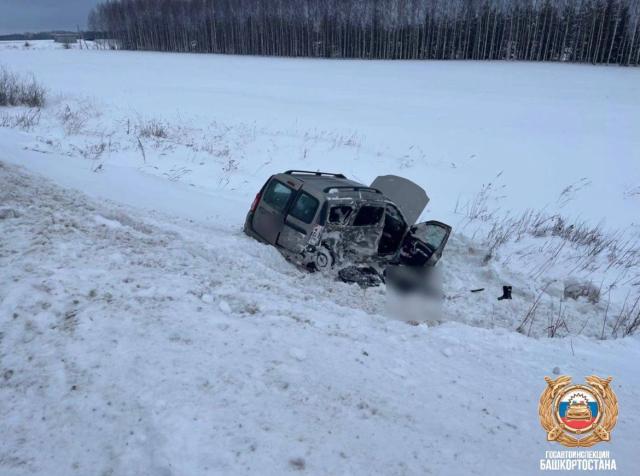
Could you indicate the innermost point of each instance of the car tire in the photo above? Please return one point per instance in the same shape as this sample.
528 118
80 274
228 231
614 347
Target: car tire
323 260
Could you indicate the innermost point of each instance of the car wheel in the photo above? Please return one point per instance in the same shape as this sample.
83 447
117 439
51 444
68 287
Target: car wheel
324 259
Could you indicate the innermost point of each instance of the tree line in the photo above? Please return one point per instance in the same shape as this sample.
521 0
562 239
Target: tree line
584 31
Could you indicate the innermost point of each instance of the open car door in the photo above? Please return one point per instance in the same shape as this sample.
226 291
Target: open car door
408 196
424 243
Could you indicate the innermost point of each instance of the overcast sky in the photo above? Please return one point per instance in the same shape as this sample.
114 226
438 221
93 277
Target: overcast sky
17 16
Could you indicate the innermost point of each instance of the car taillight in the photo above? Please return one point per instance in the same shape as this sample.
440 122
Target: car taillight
255 202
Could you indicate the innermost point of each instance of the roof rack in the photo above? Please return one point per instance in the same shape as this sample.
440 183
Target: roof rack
310 172
354 188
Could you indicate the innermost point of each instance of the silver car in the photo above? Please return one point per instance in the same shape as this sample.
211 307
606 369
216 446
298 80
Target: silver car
323 220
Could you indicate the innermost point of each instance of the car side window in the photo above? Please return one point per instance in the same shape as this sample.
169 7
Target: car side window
368 215
340 214
277 195
305 208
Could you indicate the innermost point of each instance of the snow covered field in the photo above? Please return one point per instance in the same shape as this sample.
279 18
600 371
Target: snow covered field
142 333
457 124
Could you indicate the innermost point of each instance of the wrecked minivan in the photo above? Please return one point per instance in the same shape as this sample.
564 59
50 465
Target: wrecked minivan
325 221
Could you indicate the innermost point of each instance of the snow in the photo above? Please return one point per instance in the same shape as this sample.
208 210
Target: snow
142 333
117 366
457 124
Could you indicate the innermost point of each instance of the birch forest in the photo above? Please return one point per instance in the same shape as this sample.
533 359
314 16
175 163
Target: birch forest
581 31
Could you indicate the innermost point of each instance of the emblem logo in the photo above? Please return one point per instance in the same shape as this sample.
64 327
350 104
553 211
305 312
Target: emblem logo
578 415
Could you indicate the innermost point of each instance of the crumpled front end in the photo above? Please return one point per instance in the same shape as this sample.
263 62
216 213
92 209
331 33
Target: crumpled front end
352 245
349 233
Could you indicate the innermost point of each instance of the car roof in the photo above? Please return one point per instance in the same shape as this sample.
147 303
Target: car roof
334 187
320 181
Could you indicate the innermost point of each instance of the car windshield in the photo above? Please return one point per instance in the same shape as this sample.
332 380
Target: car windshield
368 215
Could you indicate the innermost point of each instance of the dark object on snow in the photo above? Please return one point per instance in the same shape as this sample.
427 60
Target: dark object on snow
365 277
323 220
477 290
506 293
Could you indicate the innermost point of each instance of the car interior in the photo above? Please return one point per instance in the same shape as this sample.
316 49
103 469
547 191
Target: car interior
393 231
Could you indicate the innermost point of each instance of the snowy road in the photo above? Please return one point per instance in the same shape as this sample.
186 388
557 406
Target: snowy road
140 343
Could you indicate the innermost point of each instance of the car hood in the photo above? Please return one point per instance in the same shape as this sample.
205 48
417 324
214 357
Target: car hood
408 196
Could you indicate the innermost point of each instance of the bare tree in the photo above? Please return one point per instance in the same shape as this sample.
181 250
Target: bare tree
595 31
